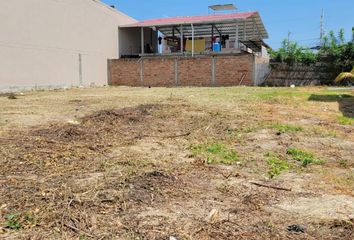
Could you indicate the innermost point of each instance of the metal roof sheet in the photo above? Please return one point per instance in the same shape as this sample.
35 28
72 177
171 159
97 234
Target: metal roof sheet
192 19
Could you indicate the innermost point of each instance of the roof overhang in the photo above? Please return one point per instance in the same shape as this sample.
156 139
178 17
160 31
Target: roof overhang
255 45
247 24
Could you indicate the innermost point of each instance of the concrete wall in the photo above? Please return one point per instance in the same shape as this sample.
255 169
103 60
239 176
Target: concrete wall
299 75
183 71
40 42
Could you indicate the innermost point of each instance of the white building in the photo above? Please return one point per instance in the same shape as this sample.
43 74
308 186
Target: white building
57 43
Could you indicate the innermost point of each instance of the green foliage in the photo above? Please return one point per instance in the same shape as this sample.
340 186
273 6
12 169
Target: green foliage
304 157
335 52
343 120
215 153
338 53
276 165
13 221
283 128
291 53
343 163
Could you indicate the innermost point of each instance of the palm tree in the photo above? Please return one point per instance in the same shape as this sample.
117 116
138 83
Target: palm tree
346 76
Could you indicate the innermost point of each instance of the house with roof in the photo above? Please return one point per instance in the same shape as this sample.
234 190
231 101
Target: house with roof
211 50
65 43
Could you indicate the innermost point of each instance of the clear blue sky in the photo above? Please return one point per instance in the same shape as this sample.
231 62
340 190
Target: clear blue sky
300 17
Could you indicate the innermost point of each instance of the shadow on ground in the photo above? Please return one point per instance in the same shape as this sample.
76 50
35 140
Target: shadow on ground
345 101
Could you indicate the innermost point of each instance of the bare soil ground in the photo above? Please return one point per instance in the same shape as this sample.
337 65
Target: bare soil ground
187 163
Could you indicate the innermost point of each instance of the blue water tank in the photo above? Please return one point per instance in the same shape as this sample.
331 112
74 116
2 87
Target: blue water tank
216 47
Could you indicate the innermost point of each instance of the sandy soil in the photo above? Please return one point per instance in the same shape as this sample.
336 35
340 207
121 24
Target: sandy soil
186 163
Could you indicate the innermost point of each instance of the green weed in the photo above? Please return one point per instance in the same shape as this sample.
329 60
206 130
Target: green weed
283 128
13 221
345 120
215 153
304 157
277 165
343 163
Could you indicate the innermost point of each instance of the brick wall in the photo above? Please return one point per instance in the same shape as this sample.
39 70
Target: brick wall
159 72
216 70
195 71
123 72
231 71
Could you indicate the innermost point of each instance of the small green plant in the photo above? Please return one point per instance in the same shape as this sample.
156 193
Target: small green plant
343 163
345 120
215 153
277 165
304 157
13 221
283 128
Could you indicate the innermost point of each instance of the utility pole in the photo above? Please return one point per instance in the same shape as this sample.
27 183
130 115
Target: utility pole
322 26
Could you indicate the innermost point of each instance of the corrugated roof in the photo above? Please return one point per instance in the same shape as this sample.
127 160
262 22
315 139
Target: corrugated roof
192 19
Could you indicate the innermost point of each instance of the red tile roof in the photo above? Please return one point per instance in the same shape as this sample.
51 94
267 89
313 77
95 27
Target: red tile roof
192 19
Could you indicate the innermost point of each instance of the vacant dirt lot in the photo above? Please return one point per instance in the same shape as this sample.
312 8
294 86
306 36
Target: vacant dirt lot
187 163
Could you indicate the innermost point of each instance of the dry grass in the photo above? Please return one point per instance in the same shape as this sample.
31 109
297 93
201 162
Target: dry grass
135 163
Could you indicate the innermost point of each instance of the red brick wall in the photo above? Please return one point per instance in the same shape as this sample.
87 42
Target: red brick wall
194 71
159 72
124 72
230 70
197 71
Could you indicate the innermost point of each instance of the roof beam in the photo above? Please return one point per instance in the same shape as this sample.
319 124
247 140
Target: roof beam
217 29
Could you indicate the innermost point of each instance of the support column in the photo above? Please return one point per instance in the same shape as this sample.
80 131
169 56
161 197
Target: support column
176 72
212 36
237 43
254 29
213 71
142 72
192 40
244 30
142 41
182 40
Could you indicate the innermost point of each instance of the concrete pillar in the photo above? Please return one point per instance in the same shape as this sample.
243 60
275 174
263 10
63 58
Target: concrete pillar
213 71
176 72
142 72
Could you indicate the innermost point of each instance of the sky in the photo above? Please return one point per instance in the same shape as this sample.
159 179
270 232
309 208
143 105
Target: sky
299 17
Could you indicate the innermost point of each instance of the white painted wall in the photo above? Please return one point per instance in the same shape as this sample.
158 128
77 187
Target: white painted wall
40 42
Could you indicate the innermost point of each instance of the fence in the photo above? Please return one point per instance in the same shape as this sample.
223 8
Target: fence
298 74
